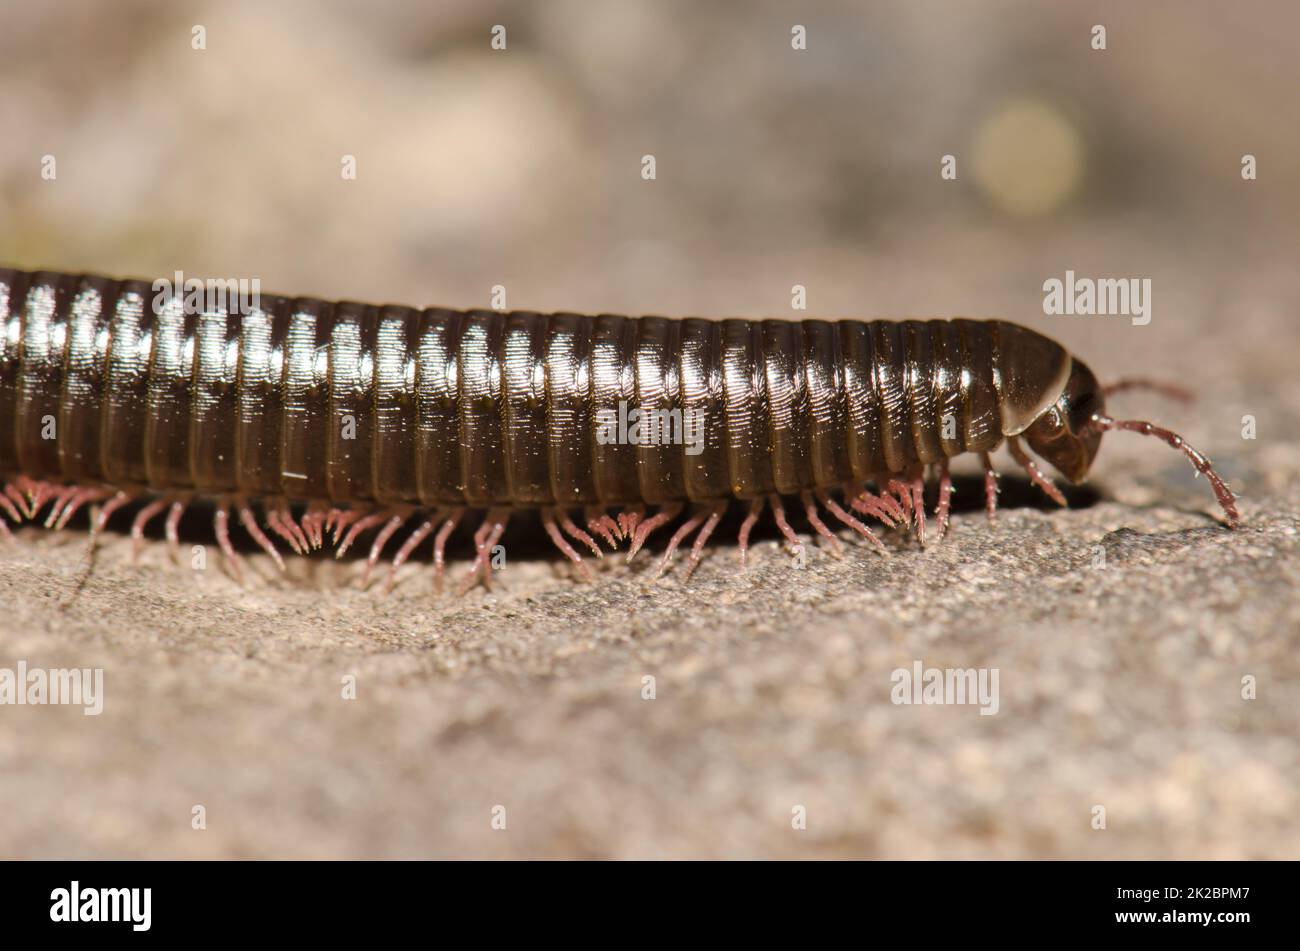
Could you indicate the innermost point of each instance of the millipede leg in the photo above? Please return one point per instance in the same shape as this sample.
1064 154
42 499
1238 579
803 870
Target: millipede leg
880 507
553 530
313 524
917 486
37 494
73 505
904 492
13 496
944 505
221 525
697 549
61 497
342 519
990 488
101 518
838 511
629 519
276 524
691 524
440 546
249 521
747 526
172 529
645 529
377 547
810 512
142 518
778 512
577 534
485 539
1036 475
601 524
360 526
408 546
280 520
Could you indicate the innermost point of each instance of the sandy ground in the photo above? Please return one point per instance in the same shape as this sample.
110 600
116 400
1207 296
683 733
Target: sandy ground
1121 629
1120 686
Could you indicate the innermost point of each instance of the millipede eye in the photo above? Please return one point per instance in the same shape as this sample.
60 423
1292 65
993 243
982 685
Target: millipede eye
1081 414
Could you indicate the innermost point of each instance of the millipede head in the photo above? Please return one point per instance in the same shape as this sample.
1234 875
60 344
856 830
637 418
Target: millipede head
1065 434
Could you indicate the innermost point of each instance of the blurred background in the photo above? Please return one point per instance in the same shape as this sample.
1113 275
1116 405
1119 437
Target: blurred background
774 167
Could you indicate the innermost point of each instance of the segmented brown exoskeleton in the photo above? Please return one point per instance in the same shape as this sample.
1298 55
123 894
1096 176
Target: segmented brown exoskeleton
345 418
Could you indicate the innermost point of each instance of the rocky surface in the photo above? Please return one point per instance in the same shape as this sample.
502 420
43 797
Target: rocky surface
1121 629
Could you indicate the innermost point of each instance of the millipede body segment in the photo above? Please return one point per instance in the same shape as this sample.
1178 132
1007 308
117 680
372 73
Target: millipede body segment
347 417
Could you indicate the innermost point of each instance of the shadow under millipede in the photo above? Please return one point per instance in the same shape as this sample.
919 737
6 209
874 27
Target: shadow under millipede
527 540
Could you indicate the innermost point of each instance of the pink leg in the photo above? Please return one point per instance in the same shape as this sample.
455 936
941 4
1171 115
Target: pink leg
440 546
577 534
644 530
1036 475
629 519
904 492
344 519
37 493
362 525
747 526
313 523
601 524
105 513
249 521
280 520
941 512
417 536
690 525
276 525
814 519
778 511
73 505
62 496
990 488
553 530
1198 459
7 508
142 518
917 485
172 529
697 550
14 497
485 539
221 524
377 548
881 507
835 509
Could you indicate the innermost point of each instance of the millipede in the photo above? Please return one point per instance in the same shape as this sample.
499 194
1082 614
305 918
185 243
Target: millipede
341 419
